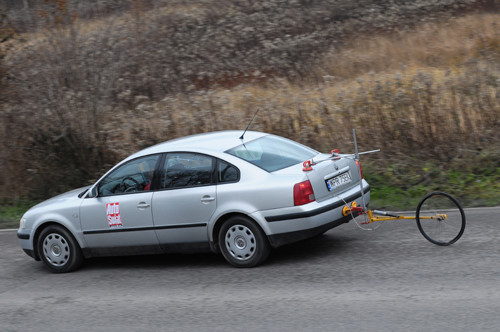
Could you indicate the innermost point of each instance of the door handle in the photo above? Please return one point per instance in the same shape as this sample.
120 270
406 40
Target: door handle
143 205
207 199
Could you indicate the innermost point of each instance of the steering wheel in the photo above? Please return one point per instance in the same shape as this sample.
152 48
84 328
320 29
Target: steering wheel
126 187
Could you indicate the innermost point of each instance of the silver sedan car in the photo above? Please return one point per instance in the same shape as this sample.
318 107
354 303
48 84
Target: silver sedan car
239 196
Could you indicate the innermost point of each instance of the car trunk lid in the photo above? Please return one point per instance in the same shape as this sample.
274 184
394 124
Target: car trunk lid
332 177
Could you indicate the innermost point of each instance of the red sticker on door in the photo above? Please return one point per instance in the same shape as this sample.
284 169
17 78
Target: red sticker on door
113 212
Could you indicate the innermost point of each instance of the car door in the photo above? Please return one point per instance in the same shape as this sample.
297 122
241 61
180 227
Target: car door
185 201
119 220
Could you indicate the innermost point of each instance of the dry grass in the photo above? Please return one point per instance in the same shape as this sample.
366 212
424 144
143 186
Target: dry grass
413 103
431 94
441 45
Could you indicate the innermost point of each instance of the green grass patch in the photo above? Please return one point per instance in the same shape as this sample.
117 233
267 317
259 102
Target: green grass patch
10 214
402 186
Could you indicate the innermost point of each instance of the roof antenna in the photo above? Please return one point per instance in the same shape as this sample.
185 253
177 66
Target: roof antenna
242 135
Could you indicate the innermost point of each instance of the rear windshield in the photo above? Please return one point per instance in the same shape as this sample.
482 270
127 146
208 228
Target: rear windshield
273 153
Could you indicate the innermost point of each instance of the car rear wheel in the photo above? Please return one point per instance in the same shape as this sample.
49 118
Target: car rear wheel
242 242
59 250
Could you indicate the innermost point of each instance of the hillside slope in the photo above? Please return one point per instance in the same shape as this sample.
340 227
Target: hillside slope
86 83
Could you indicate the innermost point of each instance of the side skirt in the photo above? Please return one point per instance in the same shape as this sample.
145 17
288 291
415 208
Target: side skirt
196 247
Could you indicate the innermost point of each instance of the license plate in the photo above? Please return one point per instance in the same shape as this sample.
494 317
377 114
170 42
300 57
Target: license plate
338 180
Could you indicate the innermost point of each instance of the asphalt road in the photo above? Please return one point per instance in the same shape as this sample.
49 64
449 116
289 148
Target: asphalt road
345 280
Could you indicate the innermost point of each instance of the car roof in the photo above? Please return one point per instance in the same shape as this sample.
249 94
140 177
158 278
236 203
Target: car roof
216 142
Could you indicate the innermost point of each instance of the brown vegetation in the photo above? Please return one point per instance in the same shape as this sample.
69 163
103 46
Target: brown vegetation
89 88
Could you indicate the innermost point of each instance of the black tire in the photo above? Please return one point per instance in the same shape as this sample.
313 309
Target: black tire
59 250
242 242
448 226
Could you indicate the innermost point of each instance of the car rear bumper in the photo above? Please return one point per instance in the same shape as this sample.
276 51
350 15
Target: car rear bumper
277 240
299 223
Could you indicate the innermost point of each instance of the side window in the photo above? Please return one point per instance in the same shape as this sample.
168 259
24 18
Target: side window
187 170
134 176
227 172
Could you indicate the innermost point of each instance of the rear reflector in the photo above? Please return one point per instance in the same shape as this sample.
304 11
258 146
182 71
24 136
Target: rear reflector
358 163
303 193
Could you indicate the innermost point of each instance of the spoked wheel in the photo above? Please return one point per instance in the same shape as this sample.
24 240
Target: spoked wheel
440 218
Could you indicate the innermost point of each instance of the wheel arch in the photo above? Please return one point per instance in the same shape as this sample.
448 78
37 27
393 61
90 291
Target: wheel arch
214 243
44 225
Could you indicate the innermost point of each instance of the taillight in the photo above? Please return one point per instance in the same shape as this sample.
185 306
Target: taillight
303 193
358 163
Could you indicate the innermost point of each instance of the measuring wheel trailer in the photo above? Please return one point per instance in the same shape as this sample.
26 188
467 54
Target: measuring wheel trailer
439 216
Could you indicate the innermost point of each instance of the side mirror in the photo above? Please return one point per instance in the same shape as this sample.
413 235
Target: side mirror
93 192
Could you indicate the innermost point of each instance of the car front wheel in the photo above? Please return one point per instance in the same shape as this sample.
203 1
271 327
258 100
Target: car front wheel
242 242
59 250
